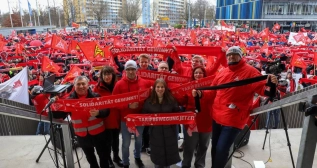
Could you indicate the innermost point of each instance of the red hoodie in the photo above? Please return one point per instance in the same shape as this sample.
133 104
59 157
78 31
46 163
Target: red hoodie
241 97
126 85
113 120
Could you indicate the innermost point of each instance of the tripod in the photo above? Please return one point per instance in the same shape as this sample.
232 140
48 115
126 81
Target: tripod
286 133
53 131
54 128
248 129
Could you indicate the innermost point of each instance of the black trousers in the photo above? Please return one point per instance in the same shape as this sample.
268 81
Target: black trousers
146 137
114 141
101 142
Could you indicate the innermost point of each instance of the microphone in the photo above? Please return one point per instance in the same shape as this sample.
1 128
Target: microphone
52 100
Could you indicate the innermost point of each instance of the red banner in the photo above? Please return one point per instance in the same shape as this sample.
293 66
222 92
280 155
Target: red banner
186 118
79 105
183 89
150 50
168 77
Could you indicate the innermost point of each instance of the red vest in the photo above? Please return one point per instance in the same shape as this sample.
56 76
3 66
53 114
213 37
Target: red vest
92 125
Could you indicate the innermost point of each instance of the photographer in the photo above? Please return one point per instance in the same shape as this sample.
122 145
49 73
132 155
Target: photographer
231 107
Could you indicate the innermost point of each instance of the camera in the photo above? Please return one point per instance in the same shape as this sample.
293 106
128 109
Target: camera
309 107
276 67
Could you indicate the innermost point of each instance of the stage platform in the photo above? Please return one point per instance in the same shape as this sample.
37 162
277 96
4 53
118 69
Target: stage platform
22 151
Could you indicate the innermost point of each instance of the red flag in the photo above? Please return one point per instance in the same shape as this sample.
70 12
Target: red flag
315 58
91 50
192 36
2 44
243 47
298 61
73 46
59 44
73 72
49 65
264 34
277 26
75 25
224 24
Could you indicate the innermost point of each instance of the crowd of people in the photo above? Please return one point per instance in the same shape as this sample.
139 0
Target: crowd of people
223 113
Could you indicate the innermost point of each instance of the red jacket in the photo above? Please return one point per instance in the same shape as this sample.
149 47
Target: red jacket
203 118
113 120
240 98
126 85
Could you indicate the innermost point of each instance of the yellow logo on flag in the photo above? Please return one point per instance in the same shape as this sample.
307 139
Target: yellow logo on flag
99 52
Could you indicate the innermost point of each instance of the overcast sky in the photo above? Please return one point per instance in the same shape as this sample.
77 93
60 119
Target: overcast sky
14 4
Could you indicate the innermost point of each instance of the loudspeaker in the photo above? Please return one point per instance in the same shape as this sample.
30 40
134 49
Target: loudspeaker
244 140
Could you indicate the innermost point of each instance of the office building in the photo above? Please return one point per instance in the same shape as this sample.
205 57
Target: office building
292 15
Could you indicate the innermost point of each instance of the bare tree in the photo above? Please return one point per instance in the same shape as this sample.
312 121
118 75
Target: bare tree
154 11
68 12
210 14
130 11
199 8
100 11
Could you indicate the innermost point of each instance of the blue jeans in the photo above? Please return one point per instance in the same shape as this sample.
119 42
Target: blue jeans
45 126
276 116
222 139
126 140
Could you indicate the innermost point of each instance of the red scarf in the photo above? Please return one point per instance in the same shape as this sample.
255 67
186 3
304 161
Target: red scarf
78 105
186 118
168 77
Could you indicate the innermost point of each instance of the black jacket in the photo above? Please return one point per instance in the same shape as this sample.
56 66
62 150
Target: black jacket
102 113
163 138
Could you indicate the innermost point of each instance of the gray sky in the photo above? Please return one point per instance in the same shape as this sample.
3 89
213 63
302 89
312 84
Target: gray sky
14 4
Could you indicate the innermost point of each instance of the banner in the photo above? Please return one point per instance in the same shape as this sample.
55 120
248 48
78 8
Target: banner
293 41
150 50
186 118
168 77
80 105
16 89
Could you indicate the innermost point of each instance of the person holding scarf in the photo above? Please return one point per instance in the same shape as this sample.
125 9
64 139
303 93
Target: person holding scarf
104 87
199 140
90 128
163 138
230 108
129 83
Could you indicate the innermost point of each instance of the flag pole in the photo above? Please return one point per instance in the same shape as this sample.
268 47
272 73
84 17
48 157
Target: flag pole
20 12
10 13
49 12
38 14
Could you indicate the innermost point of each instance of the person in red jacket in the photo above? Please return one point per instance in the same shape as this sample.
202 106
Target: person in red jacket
196 60
104 87
129 83
231 107
199 140
90 129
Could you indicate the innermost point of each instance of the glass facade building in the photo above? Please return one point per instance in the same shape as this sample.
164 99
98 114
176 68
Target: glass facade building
239 9
292 15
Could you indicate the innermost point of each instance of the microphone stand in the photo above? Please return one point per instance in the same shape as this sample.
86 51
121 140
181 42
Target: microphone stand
50 115
52 137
